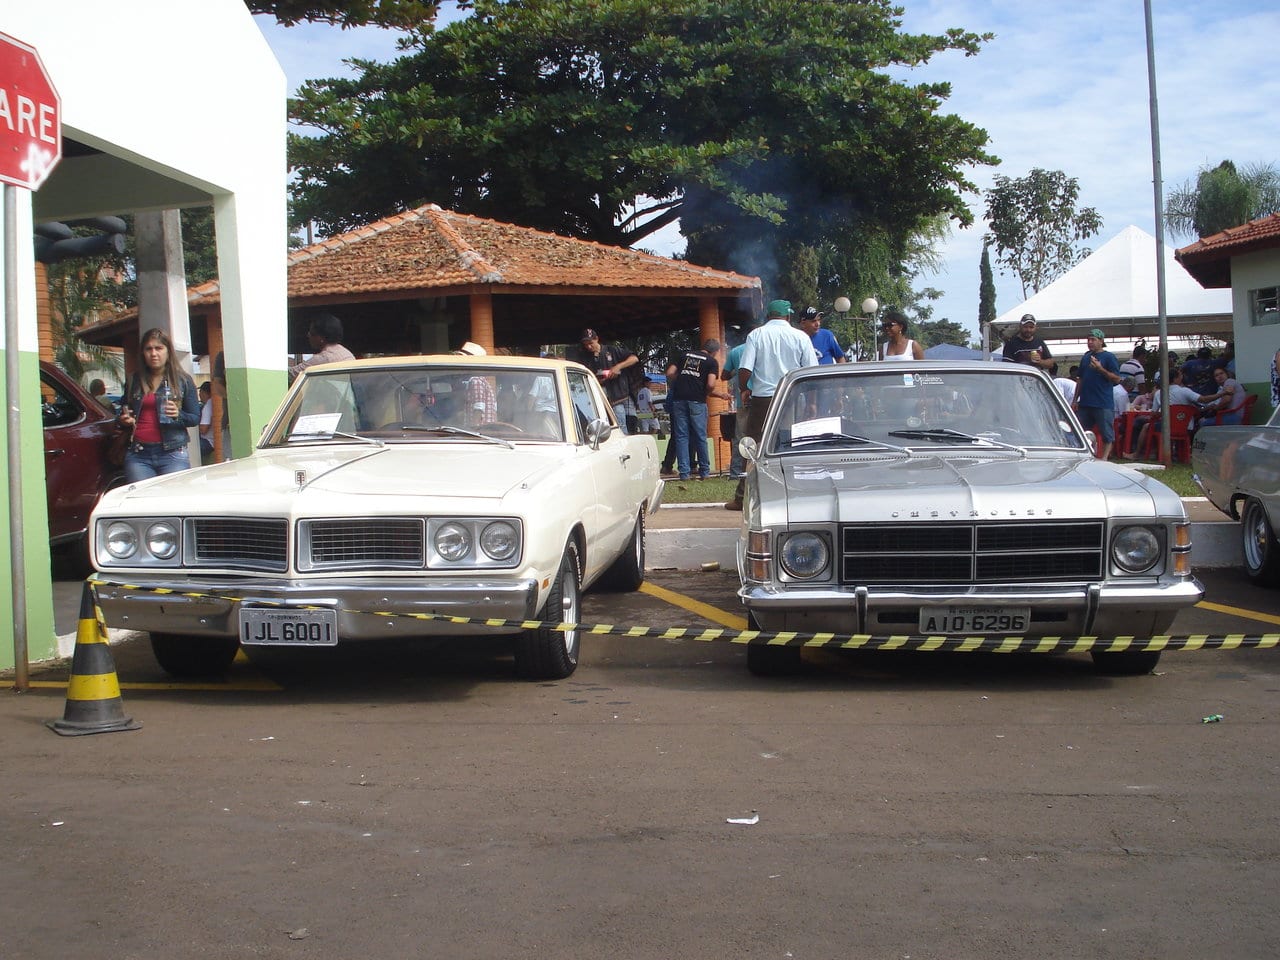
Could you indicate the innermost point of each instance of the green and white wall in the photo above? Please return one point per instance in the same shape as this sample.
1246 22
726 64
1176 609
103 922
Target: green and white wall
184 105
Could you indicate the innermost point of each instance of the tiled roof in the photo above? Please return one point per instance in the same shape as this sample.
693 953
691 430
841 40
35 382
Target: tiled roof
1209 258
544 286
429 248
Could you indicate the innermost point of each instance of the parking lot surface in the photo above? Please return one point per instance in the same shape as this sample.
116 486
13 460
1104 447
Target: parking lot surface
390 800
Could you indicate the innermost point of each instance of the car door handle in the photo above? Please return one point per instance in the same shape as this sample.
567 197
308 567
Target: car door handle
56 452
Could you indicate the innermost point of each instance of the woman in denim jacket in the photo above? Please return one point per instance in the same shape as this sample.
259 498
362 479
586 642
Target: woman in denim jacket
160 434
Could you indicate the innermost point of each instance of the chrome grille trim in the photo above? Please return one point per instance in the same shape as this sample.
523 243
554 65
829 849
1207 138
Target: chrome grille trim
386 543
237 543
1019 552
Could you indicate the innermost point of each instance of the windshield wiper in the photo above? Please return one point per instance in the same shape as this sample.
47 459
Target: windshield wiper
947 435
331 434
829 437
459 432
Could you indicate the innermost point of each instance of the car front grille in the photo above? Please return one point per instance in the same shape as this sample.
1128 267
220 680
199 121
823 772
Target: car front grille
386 542
238 543
1020 552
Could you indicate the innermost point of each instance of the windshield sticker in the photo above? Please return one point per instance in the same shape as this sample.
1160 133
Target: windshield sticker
908 380
314 423
815 428
925 379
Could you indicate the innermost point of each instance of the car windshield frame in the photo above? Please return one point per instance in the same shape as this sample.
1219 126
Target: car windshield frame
852 408
424 403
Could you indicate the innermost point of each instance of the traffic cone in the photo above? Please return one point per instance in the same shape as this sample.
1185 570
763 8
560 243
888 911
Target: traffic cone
93 692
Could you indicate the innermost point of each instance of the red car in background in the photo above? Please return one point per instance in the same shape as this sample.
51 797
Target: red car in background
78 431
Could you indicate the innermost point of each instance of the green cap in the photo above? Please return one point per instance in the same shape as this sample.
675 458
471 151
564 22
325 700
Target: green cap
779 308
1095 332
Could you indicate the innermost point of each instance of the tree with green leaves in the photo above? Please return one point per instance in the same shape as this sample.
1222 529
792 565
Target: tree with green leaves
762 126
930 333
986 290
1222 197
1035 226
397 14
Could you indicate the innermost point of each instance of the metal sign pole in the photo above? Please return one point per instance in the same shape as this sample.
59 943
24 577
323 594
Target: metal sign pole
1166 456
21 672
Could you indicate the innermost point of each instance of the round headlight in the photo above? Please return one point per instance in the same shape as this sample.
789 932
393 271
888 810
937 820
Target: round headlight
121 541
500 540
162 540
453 541
1135 549
804 555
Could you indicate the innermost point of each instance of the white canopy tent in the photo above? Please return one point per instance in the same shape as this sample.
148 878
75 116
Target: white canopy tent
1114 288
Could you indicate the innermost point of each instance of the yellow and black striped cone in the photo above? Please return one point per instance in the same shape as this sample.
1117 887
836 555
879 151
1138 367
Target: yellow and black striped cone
93 692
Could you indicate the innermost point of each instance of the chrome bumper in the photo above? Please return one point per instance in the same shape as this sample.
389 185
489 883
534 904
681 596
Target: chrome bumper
1106 609
366 610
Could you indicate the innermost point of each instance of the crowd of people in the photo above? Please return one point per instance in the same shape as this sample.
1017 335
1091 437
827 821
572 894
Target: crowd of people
161 402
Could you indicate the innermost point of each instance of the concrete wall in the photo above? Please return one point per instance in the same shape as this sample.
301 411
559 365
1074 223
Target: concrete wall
1255 346
185 105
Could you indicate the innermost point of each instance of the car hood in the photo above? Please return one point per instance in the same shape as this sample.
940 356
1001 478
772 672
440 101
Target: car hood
306 479
866 489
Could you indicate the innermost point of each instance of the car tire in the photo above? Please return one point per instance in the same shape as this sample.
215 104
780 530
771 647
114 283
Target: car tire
1260 547
766 661
1127 663
627 572
546 653
183 656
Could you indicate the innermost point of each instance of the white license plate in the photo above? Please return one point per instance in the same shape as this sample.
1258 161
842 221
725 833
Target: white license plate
285 627
972 621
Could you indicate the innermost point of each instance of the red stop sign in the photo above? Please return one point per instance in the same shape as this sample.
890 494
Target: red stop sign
30 116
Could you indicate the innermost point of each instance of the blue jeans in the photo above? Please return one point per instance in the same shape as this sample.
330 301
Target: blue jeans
689 431
153 461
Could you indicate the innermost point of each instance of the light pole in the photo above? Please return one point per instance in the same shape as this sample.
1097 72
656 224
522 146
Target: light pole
869 307
843 305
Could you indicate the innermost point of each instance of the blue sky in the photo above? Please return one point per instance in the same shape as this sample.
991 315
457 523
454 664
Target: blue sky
1062 86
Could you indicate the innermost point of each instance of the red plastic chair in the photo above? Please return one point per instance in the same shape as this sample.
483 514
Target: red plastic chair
1249 401
1181 418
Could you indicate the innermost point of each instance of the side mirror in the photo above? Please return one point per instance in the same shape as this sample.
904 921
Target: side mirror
598 431
749 449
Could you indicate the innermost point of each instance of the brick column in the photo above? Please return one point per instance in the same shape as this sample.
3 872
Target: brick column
482 320
710 326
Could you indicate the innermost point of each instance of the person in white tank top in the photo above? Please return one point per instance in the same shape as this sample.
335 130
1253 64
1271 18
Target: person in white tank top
896 345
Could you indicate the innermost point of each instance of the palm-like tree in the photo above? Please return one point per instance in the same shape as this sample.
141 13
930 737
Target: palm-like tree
1222 197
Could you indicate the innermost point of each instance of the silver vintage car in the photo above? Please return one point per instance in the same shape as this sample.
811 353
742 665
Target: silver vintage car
951 499
1239 470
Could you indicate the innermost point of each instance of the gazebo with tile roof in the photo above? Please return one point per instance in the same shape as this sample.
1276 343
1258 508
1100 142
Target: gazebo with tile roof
426 280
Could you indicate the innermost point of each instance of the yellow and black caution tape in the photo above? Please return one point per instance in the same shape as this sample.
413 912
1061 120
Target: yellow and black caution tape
859 641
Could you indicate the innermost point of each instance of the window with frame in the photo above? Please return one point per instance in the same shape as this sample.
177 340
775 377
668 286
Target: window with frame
1264 306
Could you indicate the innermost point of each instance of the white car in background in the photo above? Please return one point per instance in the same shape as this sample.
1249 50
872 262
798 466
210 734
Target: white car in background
384 490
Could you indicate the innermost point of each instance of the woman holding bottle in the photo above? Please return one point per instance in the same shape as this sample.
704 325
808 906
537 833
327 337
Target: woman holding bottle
160 405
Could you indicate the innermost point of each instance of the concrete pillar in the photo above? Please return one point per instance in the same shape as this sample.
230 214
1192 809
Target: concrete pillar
162 280
482 320
710 326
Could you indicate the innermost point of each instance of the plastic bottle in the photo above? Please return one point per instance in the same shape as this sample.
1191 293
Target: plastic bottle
163 393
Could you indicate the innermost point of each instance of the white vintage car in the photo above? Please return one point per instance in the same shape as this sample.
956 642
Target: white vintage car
382 490
1239 470
951 499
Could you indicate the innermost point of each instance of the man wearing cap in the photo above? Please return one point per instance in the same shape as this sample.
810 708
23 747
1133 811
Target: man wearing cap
692 376
825 345
1025 347
608 362
770 352
1095 401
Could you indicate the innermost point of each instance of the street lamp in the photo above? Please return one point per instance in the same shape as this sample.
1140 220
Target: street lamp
869 307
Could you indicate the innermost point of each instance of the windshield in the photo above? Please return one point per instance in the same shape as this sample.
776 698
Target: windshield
421 403
895 408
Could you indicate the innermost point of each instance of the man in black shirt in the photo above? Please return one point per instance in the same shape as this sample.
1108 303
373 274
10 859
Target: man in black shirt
607 361
692 376
1026 347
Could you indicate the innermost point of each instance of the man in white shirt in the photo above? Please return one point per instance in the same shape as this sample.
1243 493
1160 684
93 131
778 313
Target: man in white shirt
770 352
1178 394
